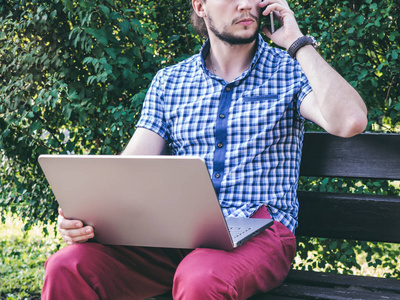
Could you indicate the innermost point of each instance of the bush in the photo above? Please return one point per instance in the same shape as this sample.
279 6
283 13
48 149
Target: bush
73 78
361 40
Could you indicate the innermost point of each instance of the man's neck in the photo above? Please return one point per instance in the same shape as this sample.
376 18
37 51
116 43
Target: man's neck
229 61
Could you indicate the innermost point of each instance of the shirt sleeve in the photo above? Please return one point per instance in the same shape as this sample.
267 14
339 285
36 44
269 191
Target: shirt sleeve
152 114
304 90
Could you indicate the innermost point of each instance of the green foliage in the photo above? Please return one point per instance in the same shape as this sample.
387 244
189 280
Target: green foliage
73 78
361 39
348 257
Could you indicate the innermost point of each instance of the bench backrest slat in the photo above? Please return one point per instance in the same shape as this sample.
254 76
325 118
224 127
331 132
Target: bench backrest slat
355 217
368 155
347 215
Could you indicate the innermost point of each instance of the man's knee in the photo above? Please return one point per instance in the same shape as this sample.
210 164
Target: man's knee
71 261
62 261
70 273
200 283
199 278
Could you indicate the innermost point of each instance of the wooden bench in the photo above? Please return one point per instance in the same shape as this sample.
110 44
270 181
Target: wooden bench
345 216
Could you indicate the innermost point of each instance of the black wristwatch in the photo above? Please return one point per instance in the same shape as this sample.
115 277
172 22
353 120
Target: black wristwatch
301 42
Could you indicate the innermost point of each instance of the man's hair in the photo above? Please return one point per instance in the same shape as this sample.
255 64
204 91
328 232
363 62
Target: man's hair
198 23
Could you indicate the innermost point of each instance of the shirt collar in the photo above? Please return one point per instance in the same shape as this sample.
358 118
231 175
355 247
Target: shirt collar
261 47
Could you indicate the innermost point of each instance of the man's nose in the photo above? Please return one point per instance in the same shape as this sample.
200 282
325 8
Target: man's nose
245 5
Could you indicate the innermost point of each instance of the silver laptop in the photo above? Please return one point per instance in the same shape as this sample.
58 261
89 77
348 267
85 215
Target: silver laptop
150 201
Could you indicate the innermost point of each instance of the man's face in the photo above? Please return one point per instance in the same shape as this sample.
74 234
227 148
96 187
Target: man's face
233 21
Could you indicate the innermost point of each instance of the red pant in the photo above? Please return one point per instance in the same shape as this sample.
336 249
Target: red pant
94 271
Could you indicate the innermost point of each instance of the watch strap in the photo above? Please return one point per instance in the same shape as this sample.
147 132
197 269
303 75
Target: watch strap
301 42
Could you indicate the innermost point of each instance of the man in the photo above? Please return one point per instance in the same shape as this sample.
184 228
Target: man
239 104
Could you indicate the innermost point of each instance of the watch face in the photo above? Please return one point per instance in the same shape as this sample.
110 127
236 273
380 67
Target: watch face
313 40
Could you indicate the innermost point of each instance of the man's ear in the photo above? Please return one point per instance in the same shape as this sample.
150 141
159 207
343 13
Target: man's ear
198 7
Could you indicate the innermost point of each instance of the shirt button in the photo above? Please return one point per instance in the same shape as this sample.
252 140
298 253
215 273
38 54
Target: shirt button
220 145
217 175
227 89
222 116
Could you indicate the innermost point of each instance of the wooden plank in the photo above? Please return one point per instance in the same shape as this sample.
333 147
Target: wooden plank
167 296
256 297
332 280
349 216
269 296
313 292
318 285
369 155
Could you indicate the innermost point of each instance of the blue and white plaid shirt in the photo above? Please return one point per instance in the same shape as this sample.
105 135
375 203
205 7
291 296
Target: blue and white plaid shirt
249 131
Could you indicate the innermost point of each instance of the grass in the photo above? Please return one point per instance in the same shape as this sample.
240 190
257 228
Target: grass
22 259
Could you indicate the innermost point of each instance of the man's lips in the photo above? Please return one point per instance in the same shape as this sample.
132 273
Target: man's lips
246 22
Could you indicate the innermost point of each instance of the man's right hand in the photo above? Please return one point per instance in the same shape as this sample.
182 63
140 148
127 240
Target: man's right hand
73 231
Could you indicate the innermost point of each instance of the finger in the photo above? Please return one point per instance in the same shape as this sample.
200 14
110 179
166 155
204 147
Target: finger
64 223
76 240
71 241
72 236
86 231
276 8
265 3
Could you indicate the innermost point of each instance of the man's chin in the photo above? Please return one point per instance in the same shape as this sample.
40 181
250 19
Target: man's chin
241 40
238 38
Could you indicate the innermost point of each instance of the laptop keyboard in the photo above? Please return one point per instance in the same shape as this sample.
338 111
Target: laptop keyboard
237 231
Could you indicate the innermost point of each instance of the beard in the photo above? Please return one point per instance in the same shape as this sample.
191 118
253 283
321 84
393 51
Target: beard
231 38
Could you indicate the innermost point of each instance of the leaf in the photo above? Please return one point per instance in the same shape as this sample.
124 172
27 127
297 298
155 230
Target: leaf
125 26
53 14
98 34
69 5
35 126
174 38
67 110
393 35
343 259
333 245
374 6
105 10
82 117
112 52
114 15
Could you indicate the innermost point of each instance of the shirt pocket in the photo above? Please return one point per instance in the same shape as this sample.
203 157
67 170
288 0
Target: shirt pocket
260 98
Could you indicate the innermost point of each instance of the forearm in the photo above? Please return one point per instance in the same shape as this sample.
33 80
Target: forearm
342 109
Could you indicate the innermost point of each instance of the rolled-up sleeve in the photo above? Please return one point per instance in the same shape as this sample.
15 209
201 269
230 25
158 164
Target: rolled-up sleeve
152 115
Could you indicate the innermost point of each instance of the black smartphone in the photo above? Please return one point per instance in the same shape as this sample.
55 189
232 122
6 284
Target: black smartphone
271 22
